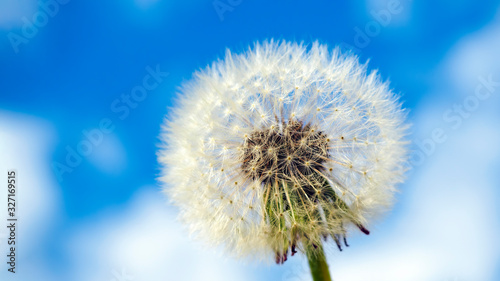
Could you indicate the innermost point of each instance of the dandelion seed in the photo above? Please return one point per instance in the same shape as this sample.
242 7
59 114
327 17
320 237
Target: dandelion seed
295 162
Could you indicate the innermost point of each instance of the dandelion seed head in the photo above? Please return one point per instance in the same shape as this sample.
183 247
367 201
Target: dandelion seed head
279 147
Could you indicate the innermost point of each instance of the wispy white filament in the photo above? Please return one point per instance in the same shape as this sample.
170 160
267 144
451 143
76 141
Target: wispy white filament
262 90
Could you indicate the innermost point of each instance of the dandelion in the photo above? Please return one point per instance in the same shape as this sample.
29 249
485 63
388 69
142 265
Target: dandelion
282 148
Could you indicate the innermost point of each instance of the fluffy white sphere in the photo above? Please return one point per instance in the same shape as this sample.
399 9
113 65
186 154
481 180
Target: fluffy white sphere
282 146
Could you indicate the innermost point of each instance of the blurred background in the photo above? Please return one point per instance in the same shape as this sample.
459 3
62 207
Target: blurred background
85 85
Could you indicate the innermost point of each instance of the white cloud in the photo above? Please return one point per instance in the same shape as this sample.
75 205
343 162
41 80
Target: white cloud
147 242
474 55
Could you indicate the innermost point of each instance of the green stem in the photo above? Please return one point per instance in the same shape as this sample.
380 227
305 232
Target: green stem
318 265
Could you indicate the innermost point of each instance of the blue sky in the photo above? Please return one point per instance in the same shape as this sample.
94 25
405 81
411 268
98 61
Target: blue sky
66 76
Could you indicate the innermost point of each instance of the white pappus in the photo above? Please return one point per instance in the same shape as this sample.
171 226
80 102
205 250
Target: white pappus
277 149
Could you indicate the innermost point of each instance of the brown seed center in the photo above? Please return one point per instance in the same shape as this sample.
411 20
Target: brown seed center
290 153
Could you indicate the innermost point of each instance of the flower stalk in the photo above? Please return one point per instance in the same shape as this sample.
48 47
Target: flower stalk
317 264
